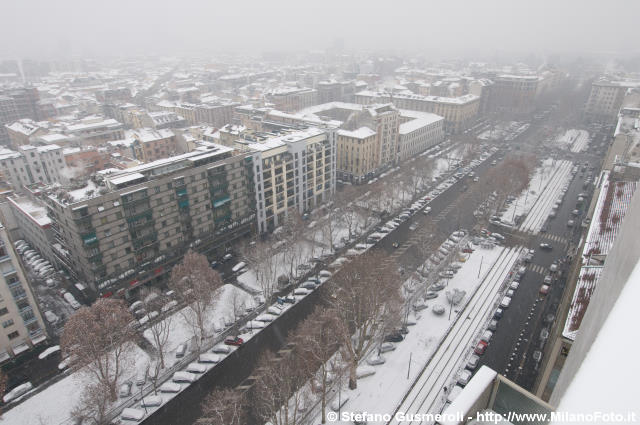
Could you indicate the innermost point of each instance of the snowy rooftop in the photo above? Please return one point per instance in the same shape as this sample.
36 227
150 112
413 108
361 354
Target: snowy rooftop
420 119
461 100
611 207
280 141
586 284
360 133
146 135
37 213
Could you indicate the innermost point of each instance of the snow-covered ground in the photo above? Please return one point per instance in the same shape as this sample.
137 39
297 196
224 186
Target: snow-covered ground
536 201
435 339
540 211
54 405
508 130
573 140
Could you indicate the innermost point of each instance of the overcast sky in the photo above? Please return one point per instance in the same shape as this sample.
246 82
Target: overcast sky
47 28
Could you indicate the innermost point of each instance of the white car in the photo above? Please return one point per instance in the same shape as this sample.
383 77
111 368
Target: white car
17 392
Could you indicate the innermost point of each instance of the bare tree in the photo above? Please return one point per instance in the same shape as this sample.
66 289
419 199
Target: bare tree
348 209
365 298
292 234
316 343
277 395
224 407
98 340
263 260
197 284
153 300
329 227
93 407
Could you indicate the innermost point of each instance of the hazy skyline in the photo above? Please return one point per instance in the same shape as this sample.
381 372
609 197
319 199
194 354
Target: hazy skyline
46 29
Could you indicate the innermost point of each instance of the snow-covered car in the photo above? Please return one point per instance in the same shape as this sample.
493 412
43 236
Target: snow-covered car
182 377
17 392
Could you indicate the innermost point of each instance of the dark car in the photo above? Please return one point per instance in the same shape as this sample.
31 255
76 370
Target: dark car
498 314
394 337
234 340
546 246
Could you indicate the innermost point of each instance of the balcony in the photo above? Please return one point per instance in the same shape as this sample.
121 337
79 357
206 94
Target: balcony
135 216
9 272
89 239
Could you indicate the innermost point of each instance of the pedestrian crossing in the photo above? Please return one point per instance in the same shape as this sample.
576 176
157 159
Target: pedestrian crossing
536 268
555 238
446 211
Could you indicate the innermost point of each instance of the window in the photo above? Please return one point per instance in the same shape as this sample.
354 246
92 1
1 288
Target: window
13 335
3 311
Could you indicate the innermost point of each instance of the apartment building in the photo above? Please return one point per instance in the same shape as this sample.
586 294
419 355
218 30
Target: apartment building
605 100
33 164
216 113
16 104
129 227
515 94
150 144
358 154
458 112
86 160
32 224
296 170
418 132
292 99
20 132
22 325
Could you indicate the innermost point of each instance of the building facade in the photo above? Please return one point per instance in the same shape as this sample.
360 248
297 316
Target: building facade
418 132
22 325
292 99
605 100
458 112
31 164
293 171
358 155
129 227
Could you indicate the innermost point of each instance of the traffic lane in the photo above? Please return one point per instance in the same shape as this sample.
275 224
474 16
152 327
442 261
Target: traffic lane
498 353
402 233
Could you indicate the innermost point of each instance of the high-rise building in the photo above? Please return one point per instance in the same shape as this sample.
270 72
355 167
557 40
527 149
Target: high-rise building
129 227
22 325
294 171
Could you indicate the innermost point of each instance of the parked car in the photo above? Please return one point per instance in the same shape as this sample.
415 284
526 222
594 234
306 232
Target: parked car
493 325
125 389
544 290
394 337
480 348
17 392
473 362
234 340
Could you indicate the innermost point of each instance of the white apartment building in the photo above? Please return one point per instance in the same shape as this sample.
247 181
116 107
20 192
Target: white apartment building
418 132
296 170
33 164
